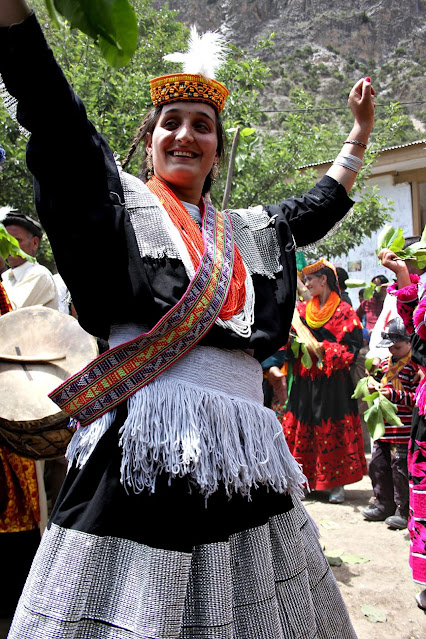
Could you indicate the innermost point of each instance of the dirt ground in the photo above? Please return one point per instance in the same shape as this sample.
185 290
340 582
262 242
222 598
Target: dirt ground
384 581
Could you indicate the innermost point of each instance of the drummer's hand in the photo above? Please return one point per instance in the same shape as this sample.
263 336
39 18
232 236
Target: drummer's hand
278 381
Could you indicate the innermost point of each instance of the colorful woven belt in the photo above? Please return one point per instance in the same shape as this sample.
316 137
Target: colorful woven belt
120 372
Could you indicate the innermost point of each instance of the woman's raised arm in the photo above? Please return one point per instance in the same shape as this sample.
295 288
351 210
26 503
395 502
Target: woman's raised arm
361 102
13 12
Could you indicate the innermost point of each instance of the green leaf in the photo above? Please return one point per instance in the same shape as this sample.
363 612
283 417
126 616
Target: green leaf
361 388
295 348
370 398
389 411
398 244
306 357
355 283
374 419
376 615
54 14
111 23
369 363
368 292
384 237
246 132
396 234
9 245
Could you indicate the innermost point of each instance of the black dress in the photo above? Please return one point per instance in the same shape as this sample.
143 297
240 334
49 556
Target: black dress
218 543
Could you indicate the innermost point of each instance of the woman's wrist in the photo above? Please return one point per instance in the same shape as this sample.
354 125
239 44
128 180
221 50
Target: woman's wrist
360 133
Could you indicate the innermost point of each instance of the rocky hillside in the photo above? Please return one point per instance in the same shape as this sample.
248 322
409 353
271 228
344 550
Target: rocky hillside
325 46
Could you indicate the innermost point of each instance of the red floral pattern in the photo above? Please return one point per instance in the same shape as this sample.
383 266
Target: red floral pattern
337 354
321 422
331 453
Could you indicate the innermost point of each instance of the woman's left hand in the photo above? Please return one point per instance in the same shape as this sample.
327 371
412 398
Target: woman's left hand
362 104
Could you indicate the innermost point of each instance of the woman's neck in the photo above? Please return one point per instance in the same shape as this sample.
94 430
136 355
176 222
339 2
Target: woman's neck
324 295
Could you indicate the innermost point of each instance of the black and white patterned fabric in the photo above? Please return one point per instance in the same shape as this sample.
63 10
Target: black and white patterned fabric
267 582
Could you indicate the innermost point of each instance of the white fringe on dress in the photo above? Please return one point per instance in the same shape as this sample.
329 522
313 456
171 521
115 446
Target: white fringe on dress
203 418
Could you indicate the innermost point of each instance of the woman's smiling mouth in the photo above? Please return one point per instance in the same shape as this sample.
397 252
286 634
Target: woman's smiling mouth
183 154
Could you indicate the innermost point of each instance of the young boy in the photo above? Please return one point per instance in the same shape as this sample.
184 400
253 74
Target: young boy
388 466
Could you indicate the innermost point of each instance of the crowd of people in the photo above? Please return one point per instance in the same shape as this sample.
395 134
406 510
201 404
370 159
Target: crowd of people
310 383
184 494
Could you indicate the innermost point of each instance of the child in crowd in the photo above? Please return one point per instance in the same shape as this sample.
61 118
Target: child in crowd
388 471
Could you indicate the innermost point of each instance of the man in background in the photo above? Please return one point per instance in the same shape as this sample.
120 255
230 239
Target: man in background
27 283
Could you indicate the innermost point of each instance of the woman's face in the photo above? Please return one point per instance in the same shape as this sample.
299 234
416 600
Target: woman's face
315 284
183 146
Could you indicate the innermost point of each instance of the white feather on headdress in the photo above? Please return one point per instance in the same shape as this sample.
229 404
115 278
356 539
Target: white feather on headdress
205 54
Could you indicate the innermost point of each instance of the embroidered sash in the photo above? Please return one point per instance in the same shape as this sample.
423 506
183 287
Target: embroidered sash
393 371
120 372
306 336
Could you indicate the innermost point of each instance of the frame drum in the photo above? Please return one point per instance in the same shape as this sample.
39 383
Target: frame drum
39 349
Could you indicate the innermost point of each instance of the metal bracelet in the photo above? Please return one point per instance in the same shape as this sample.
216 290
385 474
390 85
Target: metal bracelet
364 146
348 161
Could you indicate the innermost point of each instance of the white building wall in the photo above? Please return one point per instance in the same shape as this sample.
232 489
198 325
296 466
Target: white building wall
364 256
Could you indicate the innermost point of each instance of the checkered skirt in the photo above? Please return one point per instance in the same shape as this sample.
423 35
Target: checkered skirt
267 582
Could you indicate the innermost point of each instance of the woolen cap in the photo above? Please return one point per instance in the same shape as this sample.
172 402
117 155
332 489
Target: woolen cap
27 222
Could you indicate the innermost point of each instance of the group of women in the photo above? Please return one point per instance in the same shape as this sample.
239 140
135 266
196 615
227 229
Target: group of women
180 514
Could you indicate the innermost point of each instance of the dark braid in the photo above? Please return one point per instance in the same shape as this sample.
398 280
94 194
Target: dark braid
148 125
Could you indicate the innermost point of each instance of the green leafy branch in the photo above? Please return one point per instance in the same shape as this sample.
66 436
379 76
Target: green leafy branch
112 24
369 289
298 346
394 241
379 407
9 245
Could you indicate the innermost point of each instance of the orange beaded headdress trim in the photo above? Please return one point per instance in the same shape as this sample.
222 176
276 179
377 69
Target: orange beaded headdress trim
187 86
204 56
316 266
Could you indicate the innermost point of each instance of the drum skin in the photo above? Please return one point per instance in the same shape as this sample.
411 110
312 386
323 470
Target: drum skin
39 349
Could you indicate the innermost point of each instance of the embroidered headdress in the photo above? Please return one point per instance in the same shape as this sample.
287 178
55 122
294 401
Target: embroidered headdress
317 266
203 58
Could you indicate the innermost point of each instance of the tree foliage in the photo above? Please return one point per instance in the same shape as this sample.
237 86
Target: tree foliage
270 152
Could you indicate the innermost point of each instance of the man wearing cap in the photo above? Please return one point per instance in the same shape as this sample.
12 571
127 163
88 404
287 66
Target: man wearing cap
27 283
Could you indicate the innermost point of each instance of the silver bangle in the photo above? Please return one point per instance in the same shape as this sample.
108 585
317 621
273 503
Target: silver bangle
348 161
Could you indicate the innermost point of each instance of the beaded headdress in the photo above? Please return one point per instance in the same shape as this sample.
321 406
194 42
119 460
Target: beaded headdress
203 58
318 265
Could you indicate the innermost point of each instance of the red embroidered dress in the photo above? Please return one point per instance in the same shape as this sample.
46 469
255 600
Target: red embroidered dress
321 422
